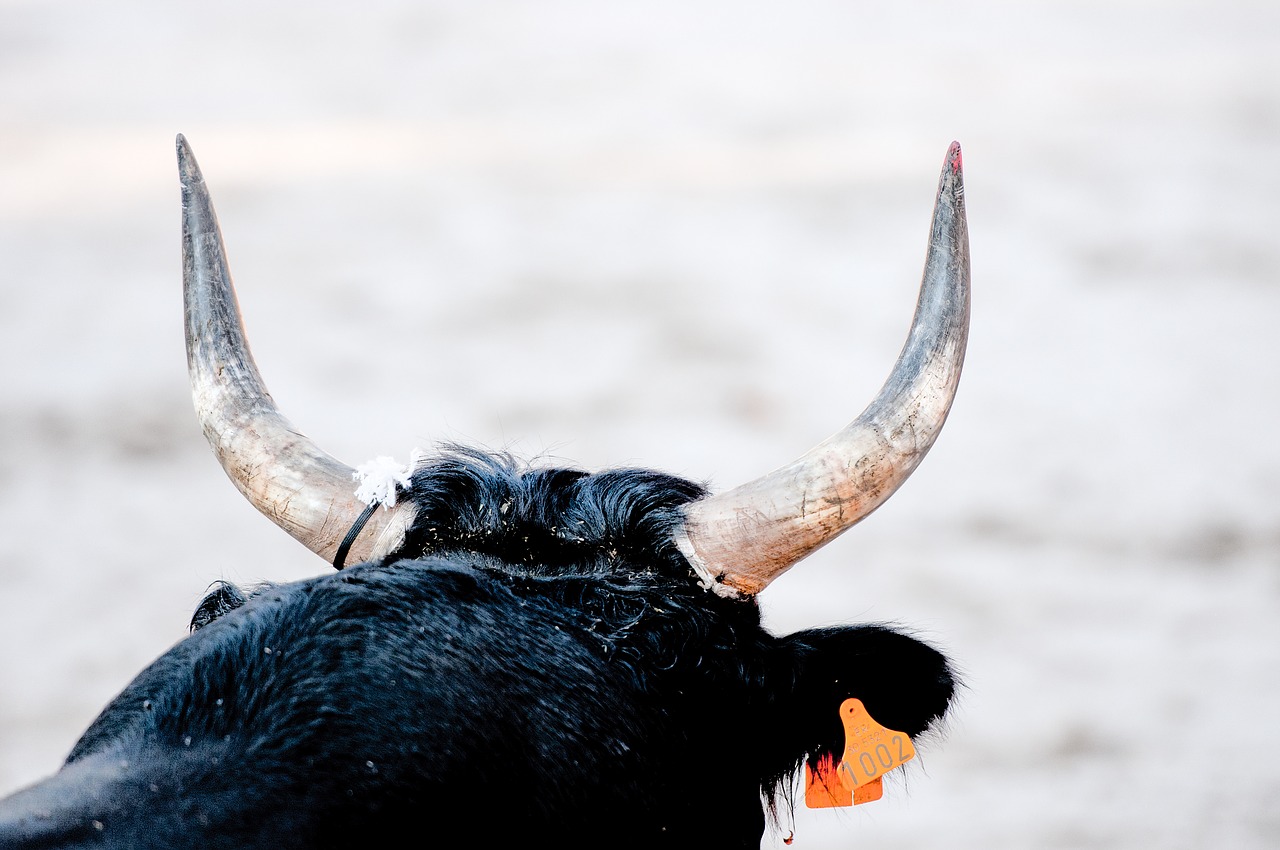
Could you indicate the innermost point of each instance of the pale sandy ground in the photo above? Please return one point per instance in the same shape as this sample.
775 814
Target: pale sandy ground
687 235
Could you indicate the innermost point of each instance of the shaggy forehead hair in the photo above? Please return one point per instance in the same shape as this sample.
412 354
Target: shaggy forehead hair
550 521
599 543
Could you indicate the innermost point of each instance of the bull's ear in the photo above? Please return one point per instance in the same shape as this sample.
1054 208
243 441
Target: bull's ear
741 540
904 683
223 598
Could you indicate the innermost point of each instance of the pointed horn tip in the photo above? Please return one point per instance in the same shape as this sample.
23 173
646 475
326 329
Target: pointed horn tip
188 169
951 181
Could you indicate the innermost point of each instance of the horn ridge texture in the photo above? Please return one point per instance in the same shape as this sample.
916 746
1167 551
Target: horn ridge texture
741 540
297 485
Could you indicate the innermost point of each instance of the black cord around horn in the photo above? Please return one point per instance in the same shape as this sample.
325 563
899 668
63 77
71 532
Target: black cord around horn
340 558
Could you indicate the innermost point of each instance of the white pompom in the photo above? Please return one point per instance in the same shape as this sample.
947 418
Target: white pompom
381 477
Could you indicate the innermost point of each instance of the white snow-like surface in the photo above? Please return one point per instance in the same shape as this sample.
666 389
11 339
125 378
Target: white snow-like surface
688 235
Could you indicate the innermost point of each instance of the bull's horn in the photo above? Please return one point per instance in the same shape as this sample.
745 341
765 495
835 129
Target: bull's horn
282 473
741 540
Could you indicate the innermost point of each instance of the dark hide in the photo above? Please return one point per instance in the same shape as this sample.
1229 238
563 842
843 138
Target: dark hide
536 665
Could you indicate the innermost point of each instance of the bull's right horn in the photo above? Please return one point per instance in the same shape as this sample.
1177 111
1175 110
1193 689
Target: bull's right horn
741 540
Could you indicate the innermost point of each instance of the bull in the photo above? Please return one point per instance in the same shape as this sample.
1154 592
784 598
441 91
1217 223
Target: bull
515 654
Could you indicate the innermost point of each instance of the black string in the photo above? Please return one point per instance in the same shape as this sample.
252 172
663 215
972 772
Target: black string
340 559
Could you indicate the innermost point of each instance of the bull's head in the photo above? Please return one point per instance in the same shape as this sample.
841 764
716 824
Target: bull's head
516 654
738 541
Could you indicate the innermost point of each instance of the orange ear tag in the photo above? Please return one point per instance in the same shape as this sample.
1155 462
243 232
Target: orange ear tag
822 787
870 751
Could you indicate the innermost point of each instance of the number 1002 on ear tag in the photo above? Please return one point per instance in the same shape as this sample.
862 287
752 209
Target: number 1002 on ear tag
870 750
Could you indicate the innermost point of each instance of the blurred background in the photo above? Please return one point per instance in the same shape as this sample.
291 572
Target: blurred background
688 235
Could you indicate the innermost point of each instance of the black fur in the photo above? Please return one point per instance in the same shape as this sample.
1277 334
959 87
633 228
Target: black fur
536 664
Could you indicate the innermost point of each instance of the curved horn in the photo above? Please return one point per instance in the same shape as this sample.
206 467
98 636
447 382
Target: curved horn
741 540
282 473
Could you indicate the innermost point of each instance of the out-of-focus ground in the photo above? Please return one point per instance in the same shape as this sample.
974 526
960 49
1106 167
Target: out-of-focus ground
688 235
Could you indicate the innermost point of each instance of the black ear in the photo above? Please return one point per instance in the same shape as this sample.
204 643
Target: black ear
905 684
223 598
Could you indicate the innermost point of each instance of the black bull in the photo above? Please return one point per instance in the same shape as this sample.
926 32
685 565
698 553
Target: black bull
517 654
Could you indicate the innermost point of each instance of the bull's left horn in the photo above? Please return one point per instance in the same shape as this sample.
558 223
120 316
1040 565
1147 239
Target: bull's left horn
741 540
282 473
